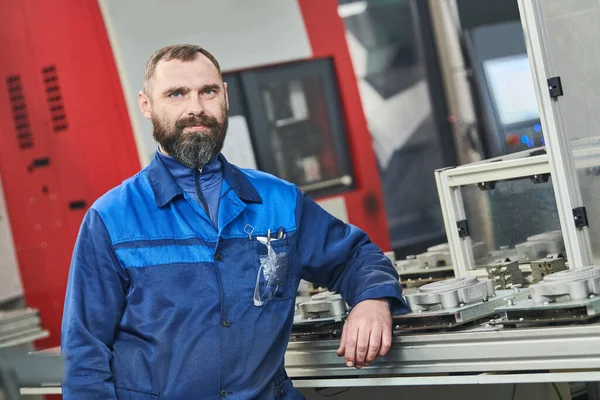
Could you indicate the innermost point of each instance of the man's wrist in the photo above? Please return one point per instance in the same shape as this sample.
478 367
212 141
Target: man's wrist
382 300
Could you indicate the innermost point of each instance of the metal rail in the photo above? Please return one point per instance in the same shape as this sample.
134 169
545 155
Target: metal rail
514 353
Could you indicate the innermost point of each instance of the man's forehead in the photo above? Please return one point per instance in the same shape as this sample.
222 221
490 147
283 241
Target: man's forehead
169 72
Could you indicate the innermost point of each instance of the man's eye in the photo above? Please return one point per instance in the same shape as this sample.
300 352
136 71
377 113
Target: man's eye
209 91
175 95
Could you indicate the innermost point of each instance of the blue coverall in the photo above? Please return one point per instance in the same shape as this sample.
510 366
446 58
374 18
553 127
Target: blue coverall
160 299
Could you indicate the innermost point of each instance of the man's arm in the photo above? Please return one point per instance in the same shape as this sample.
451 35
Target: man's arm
94 305
342 258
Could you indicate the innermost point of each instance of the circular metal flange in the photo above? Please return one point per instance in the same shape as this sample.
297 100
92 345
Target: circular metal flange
449 284
573 275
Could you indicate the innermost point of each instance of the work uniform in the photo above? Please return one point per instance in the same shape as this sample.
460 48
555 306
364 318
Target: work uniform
161 299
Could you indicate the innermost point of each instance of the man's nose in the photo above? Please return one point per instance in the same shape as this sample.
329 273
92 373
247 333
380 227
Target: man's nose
195 105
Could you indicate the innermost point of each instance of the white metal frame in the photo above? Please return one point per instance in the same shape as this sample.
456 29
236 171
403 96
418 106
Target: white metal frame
479 379
564 176
450 180
471 352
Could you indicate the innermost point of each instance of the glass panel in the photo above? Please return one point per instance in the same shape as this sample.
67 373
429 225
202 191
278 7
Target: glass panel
301 139
509 220
589 182
571 29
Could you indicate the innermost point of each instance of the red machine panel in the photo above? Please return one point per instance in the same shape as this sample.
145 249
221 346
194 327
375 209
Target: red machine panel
66 136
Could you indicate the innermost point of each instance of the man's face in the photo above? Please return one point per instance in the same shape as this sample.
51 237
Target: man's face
188 107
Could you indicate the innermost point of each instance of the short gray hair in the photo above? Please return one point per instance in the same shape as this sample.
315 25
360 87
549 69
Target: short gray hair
182 52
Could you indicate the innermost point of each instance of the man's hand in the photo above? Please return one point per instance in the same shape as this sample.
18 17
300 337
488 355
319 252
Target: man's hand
367 333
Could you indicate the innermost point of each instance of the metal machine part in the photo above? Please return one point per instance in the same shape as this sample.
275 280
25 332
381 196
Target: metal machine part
576 284
436 256
447 318
470 351
324 305
505 274
20 327
440 255
450 293
410 263
321 317
539 246
418 278
528 313
563 297
432 266
546 266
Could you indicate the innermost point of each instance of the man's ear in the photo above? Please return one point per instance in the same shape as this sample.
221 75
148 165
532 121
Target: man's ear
226 95
145 104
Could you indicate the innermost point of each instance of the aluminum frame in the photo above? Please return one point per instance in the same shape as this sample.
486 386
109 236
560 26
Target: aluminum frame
564 176
449 182
480 379
566 349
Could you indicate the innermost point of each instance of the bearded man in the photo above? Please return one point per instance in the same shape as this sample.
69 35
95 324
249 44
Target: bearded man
183 278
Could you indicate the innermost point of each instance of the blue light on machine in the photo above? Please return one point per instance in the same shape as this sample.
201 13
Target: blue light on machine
537 128
526 140
543 142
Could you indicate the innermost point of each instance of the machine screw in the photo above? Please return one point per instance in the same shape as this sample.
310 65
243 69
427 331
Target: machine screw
592 296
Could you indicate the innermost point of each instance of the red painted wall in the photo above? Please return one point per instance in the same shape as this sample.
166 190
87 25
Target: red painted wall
62 109
327 37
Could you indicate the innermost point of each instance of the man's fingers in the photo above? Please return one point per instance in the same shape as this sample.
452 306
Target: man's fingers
362 346
341 350
374 345
386 341
350 346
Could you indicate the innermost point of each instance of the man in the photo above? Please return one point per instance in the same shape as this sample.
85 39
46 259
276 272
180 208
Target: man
183 278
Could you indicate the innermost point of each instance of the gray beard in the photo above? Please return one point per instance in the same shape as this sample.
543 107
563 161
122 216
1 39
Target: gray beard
194 150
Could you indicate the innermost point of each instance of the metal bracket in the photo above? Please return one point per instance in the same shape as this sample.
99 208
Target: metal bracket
555 87
540 178
491 185
538 152
463 228
580 217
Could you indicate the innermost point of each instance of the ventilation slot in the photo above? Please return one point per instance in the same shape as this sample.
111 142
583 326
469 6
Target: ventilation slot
19 111
77 204
54 99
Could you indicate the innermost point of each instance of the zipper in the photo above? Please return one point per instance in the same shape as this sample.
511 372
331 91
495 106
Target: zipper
203 202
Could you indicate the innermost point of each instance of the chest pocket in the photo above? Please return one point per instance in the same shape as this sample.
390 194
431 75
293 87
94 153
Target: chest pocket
273 275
